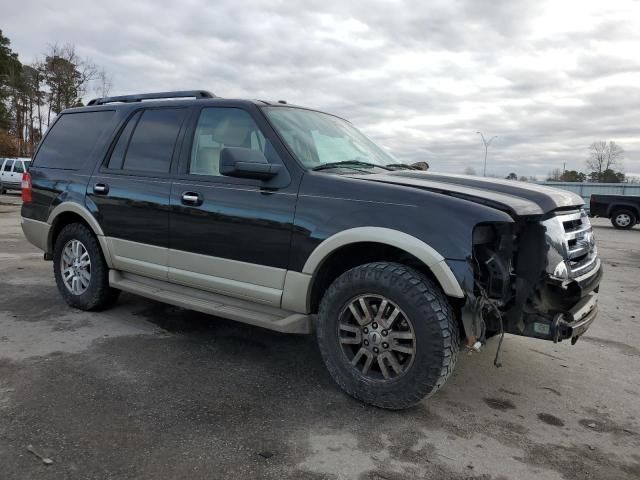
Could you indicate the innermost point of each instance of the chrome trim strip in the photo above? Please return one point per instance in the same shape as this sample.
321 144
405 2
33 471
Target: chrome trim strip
575 233
576 252
571 216
590 273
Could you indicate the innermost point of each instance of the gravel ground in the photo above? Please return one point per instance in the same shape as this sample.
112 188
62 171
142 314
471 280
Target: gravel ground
151 391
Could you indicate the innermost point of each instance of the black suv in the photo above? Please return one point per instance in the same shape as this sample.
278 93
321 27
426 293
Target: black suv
291 219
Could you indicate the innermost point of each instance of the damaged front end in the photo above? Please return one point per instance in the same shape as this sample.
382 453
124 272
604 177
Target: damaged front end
534 277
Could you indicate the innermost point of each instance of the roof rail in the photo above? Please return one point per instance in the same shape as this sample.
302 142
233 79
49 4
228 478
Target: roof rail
152 96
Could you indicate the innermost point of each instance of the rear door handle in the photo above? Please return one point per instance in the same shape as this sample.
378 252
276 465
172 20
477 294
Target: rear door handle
101 188
191 198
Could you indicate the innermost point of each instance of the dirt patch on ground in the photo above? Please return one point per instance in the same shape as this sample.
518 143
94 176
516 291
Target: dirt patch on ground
499 403
550 419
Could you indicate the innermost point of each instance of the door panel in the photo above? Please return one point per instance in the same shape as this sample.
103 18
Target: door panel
234 239
235 242
130 193
134 216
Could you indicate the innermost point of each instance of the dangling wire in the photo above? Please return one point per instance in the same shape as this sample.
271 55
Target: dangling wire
496 362
490 305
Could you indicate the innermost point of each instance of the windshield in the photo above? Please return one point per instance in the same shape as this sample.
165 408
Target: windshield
319 139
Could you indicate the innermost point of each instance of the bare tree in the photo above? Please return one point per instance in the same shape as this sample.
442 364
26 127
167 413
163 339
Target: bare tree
103 83
29 94
470 171
67 77
555 175
604 156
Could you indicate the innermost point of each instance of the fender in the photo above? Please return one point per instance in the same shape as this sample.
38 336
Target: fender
297 289
618 204
87 217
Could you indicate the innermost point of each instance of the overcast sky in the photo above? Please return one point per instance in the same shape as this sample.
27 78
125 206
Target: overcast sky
420 78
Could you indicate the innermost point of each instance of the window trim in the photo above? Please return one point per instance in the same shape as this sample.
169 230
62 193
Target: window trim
185 159
116 139
175 155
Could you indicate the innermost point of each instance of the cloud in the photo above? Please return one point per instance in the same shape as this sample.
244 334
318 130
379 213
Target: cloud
419 77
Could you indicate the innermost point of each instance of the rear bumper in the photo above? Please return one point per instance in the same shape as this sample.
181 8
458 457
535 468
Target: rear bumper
36 232
10 185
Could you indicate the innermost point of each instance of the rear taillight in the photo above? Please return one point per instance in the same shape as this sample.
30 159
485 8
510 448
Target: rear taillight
26 187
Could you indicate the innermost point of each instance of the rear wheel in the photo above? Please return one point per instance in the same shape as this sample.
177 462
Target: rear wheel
623 219
387 334
81 272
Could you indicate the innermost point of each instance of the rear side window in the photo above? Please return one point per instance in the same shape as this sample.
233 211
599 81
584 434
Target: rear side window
19 168
7 166
151 145
72 139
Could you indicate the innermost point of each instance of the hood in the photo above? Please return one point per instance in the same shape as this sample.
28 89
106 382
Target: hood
519 198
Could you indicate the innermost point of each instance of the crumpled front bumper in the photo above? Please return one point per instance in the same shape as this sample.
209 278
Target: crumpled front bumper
576 321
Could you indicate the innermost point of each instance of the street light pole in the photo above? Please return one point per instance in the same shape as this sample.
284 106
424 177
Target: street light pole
486 148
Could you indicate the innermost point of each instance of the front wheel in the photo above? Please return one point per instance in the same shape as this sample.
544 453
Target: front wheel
387 334
81 272
623 219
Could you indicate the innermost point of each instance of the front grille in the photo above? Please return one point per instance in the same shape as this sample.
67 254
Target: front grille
571 235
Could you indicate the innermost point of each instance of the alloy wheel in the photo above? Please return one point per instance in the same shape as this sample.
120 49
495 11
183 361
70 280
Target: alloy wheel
377 337
75 267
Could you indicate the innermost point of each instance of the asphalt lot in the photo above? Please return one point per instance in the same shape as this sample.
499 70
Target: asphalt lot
153 392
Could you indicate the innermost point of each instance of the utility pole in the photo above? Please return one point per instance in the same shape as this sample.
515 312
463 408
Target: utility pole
486 148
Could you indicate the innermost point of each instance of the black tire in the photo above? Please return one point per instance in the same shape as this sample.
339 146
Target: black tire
98 295
623 219
434 325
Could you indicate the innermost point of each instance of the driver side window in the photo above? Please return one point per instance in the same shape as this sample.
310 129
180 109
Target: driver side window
218 128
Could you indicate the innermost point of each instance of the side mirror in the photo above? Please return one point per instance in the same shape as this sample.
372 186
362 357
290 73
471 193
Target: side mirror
246 163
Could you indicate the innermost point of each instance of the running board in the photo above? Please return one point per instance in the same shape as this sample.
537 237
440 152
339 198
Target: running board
243 311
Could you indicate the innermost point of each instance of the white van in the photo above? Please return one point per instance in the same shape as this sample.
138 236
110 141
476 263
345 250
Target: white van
11 170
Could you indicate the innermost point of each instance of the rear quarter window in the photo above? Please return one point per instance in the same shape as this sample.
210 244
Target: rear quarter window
19 167
71 139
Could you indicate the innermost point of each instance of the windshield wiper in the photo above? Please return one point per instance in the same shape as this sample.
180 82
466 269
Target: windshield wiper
400 166
348 164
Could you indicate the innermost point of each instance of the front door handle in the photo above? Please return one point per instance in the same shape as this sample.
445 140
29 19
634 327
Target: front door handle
101 188
191 198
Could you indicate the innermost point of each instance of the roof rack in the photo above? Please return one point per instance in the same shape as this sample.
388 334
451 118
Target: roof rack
152 96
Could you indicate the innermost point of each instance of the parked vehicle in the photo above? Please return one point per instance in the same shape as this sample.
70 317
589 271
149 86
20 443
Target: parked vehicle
291 219
622 210
11 170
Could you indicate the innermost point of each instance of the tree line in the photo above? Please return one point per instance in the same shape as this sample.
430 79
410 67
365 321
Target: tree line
604 165
31 95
